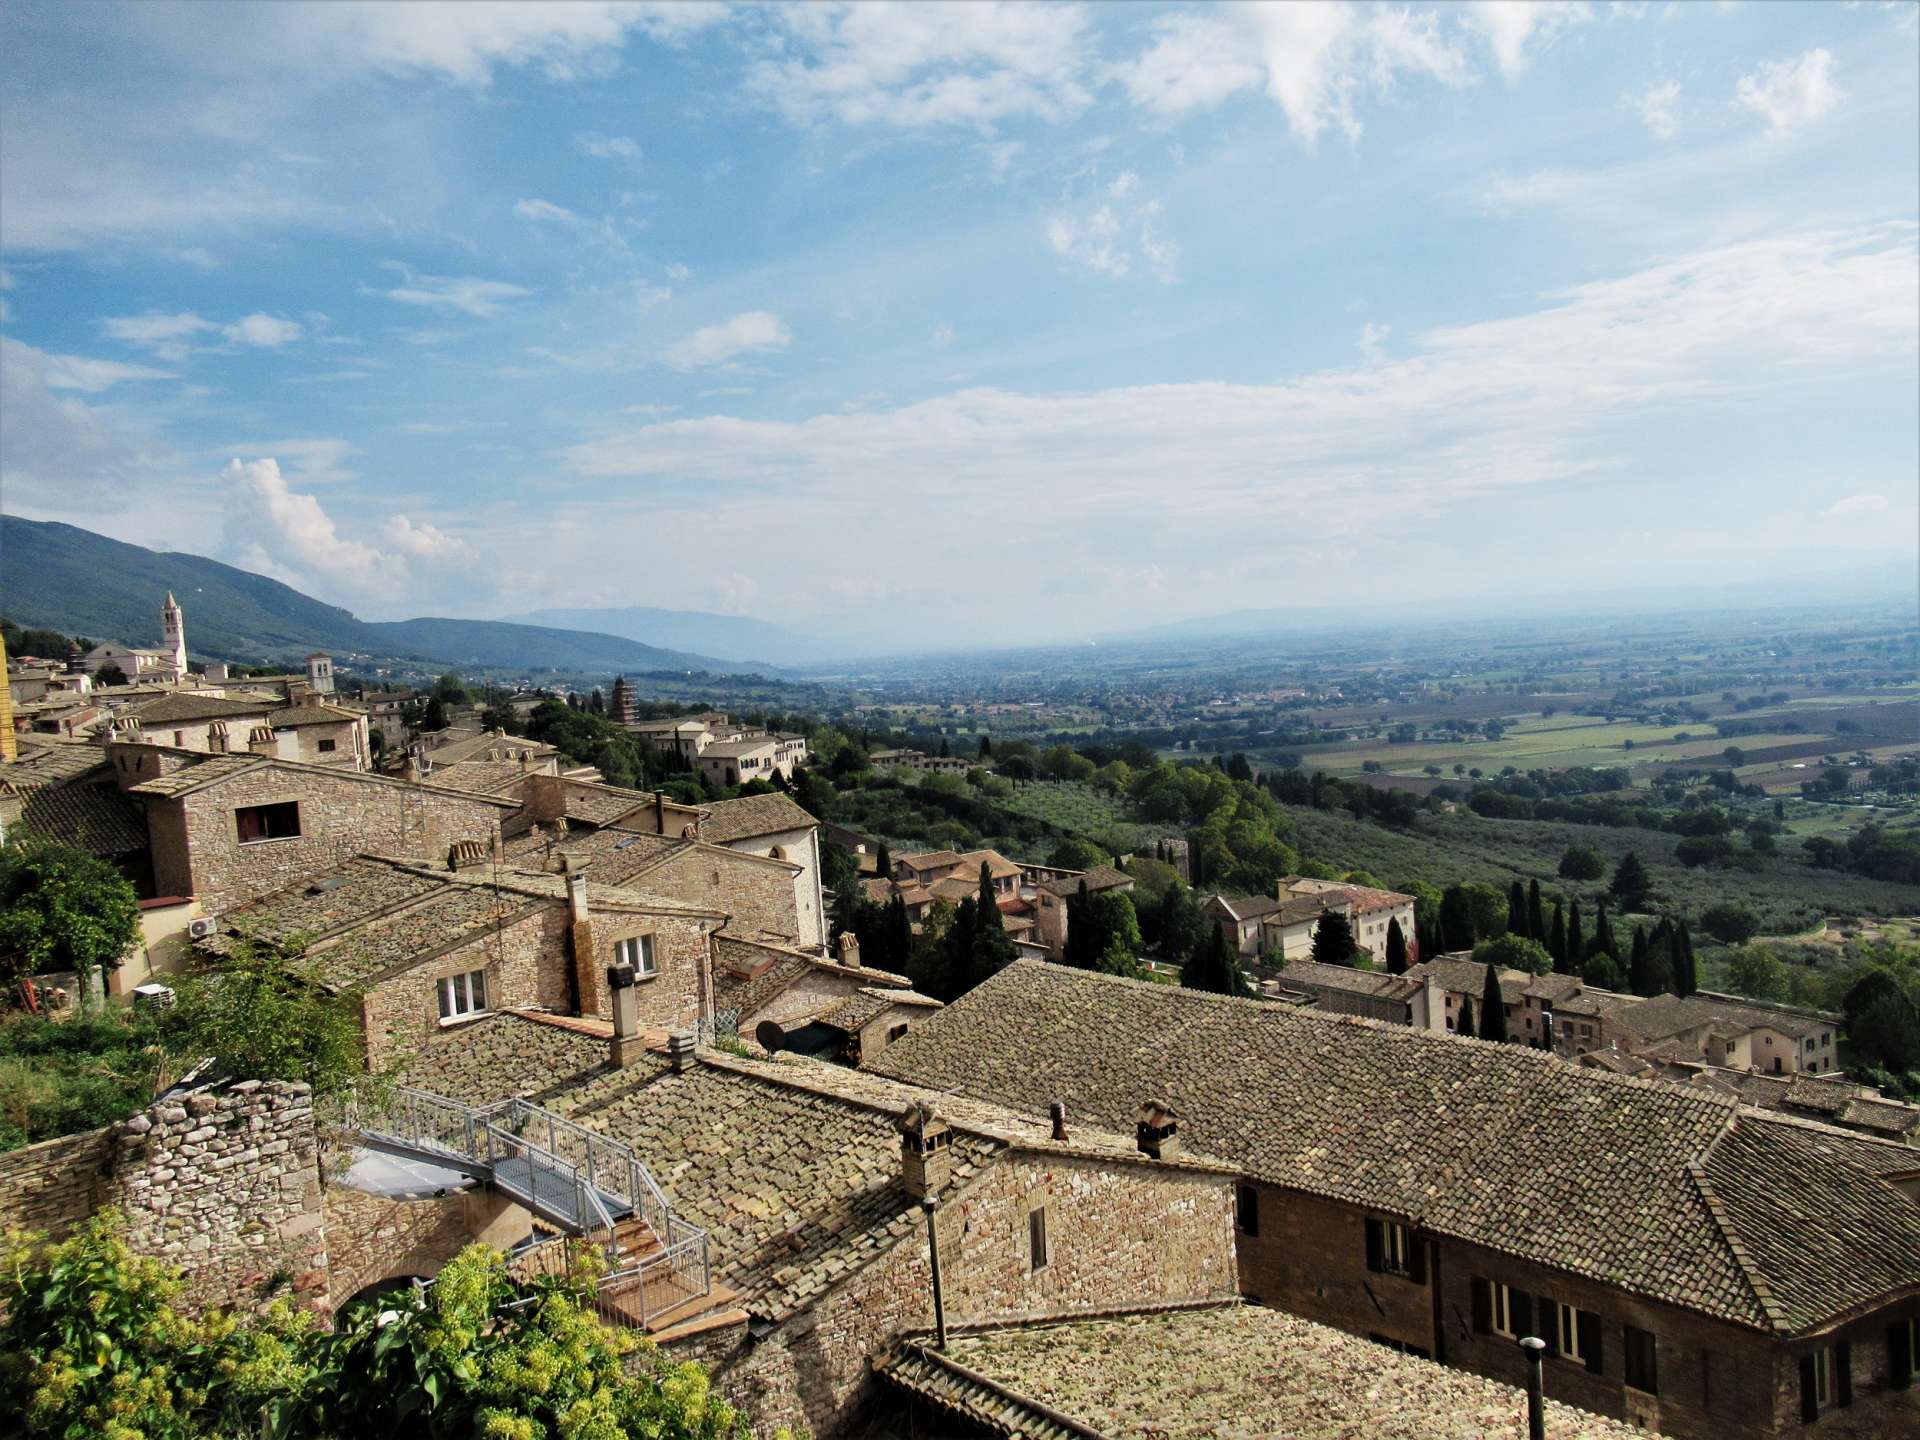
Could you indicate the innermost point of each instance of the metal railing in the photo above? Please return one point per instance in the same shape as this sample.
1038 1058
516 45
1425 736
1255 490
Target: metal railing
567 1174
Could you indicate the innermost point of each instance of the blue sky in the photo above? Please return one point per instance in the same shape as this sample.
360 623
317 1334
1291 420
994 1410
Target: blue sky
965 323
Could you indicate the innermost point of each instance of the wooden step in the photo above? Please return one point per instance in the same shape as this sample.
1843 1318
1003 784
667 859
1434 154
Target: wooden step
720 1297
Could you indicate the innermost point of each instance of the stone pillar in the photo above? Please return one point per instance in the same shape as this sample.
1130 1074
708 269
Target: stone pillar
586 973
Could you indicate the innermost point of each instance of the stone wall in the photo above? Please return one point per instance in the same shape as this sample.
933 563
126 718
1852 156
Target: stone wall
341 815
53 1186
757 895
802 848
681 990
526 964
1119 1235
371 1239
224 1182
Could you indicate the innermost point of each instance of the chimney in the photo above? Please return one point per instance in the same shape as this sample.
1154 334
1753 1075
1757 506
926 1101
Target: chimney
680 1047
849 950
466 855
627 1044
1057 1111
1158 1131
218 739
926 1157
580 941
261 742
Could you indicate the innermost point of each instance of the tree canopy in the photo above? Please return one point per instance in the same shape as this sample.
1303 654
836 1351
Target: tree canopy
61 909
1214 967
1514 952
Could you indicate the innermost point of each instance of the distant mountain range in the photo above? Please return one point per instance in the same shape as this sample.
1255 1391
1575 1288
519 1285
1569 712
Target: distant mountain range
734 636
75 581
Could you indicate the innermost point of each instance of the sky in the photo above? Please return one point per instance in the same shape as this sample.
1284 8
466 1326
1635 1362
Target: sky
965 324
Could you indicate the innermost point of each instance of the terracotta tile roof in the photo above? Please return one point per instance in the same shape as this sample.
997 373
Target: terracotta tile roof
1667 1015
1348 978
928 860
397 941
51 763
93 817
1346 1108
487 777
1195 1372
1100 877
750 816
505 1055
187 709
1240 907
330 901
311 712
199 772
998 866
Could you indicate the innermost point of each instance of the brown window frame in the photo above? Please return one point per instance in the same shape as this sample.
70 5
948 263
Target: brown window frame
264 820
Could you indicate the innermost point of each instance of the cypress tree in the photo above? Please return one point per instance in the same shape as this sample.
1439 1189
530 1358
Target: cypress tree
1456 919
1557 939
1603 934
1686 978
1576 942
1637 965
1493 1008
1333 940
1396 948
1630 882
1517 911
899 936
1465 1027
1214 967
1536 918
883 862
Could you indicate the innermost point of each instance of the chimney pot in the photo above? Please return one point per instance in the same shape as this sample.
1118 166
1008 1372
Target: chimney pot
849 950
680 1048
926 1155
1058 1112
1158 1131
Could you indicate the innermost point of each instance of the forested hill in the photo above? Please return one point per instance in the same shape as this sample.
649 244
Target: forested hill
72 580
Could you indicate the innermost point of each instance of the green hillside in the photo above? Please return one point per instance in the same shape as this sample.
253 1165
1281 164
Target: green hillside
73 580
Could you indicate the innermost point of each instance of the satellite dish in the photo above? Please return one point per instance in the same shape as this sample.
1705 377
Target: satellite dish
770 1036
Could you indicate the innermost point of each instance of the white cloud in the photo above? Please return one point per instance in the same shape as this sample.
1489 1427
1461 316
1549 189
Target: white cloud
1563 390
281 532
310 460
1116 234
755 332
89 376
1312 57
165 335
467 294
1373 342
1512 27
1658 109
538 210
426 542
262 331
930 63
62 454
620 148
1856 505
942 336
1789 93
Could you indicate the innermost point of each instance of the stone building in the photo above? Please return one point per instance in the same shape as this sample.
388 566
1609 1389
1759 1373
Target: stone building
1346 990
809 1183
1697 1265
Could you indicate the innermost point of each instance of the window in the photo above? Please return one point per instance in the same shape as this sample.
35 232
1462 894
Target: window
1903 1348
1826 1379
894 1032
1576 1335
1643 1360
1246 1209
327 747
1037 1237
1392 1250
636 951
267 822
462 995
1507 1317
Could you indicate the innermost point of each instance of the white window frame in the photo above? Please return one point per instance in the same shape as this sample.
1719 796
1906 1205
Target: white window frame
1823 1377
1396 1248
637 952
462 996
1500 1311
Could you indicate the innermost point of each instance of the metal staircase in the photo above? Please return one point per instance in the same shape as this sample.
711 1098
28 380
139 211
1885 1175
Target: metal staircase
575 1181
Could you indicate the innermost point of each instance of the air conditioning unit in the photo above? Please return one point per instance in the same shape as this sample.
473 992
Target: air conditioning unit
152 996
203 928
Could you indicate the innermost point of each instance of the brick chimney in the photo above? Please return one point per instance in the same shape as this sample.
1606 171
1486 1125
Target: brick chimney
261 742
926 1156
849 945
1057 1112
467 855
627 1045
1158 1131
680 1051
586 973
219 740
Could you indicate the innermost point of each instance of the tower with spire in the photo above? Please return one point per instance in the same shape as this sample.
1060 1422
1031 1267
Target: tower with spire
174 625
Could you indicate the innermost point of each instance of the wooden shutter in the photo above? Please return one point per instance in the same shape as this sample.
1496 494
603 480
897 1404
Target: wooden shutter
1900 1355
1589 1328
1522 1315
1809 1396
1549 1323
1417 1258
1843 1373
1375 1248
1482 1306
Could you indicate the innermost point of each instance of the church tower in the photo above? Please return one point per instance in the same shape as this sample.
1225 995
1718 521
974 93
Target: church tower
174 625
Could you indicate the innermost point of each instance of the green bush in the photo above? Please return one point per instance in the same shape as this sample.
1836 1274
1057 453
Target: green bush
62 1077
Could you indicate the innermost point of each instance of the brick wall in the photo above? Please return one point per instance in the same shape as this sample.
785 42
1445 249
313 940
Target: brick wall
1119 1236
340 815
56 1184
224 1182
1310 1258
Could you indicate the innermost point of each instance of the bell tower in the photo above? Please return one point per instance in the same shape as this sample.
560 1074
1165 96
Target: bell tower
174 625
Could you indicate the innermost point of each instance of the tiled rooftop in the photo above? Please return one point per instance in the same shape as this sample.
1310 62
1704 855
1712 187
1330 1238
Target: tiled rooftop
1665 1015
505 1055
1226 1370
332 900
188 709
51 763
1349 978
1464 1137
193 776
752 815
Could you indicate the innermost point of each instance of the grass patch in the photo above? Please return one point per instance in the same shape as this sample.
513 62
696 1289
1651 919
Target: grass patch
62 1077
